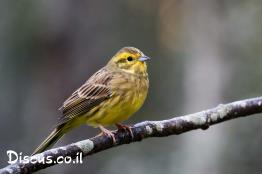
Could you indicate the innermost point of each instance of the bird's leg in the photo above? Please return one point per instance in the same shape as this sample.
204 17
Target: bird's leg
125 127
108 133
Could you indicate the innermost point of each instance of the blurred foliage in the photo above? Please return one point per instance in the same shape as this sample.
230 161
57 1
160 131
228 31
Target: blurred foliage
203 53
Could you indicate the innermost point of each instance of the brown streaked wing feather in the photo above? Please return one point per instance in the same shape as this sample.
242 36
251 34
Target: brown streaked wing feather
89 95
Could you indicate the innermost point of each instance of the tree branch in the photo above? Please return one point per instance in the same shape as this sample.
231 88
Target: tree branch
146 129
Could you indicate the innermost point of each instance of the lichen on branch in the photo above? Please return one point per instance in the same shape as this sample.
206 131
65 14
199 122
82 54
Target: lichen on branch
174 126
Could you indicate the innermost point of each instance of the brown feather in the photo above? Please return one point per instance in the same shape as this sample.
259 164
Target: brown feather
94 91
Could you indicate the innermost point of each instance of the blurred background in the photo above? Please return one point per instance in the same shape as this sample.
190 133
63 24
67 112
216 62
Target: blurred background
203 52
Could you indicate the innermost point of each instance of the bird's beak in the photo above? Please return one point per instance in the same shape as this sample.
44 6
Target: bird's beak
143 58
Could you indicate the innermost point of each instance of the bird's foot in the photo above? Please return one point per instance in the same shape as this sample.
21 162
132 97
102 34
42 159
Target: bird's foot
126 128
107 133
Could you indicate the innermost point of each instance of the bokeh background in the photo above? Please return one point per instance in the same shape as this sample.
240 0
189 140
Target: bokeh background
204 53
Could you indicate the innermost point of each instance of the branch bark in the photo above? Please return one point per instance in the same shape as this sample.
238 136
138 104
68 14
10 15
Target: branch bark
146 129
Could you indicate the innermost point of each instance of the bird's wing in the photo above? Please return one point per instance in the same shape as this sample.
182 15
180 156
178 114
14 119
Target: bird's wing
92 93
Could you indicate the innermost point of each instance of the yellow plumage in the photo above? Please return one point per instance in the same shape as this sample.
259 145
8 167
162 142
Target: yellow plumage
109 97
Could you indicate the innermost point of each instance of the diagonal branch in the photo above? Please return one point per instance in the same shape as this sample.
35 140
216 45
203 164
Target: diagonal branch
146 129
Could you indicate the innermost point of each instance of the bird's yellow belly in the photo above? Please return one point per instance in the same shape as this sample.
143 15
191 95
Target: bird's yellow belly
116 109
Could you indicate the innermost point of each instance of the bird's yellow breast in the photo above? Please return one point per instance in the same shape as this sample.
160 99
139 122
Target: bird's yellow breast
128 95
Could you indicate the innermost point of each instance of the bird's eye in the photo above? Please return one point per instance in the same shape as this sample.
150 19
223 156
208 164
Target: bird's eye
129 58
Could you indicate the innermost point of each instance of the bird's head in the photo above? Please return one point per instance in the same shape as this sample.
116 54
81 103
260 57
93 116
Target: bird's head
130 60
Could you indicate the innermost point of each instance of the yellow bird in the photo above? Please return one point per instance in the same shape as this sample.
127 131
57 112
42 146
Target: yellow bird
110 96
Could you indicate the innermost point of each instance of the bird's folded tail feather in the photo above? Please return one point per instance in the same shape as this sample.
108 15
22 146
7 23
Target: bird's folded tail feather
53 137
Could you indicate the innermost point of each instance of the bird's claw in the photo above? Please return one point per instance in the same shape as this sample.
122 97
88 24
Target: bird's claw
108 133
126 128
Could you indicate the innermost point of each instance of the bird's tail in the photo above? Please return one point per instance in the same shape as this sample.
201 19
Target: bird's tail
54 136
